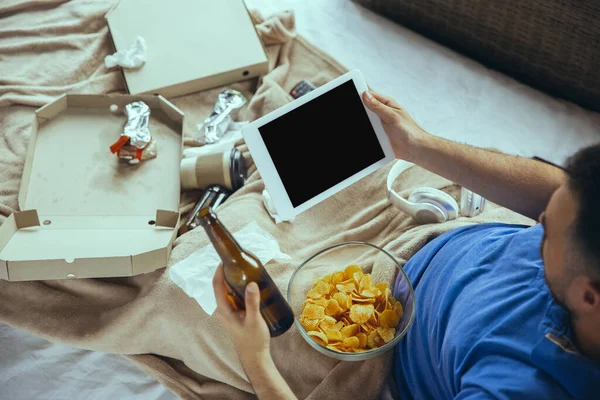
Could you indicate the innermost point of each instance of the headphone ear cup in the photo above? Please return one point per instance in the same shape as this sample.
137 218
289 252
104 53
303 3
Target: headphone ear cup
430 213
471 204
440 200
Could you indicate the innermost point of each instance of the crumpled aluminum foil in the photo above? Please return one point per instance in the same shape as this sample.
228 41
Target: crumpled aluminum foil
136 128
216 124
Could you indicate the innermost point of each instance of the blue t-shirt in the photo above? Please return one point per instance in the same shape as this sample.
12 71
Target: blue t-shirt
486 325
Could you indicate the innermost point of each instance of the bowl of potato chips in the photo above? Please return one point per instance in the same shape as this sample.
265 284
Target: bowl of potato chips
352 301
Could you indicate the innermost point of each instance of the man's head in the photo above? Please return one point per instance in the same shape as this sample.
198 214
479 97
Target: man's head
571 244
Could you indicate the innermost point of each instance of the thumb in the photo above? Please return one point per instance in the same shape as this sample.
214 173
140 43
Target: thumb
252 301
383 111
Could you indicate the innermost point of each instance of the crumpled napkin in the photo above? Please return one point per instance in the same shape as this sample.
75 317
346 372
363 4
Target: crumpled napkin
133 57
195 274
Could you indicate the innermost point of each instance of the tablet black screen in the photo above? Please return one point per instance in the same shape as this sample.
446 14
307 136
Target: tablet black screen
321 143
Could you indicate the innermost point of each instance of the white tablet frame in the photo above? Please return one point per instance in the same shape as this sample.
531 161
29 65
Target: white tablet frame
266 167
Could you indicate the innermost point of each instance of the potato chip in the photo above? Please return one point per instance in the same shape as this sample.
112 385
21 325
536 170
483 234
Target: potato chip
341 300
334 336
337 277
358 299
387 334
318 335
339 325
398 310
350 330
350 270
380 307
327 324
388 294
389 305
358 277
388 319
335 346
333 308
374 340
370 293
319 290
362 339
309 324
326 278
330 319
313 311
323 287
320 302
382 286
366 283
351 342
332 290
373 320
361 313
346 287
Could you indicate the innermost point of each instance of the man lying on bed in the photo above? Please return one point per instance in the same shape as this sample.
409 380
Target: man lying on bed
503 311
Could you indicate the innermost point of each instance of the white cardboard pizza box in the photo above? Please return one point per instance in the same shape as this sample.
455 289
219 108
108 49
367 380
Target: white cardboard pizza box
192 44
85 213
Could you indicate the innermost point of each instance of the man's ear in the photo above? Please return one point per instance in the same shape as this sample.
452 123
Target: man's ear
587 296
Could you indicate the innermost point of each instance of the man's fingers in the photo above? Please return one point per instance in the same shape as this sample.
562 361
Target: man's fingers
252 301
388 101
378 106
218 280
223 305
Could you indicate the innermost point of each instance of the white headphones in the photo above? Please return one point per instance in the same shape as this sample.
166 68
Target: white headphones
428 205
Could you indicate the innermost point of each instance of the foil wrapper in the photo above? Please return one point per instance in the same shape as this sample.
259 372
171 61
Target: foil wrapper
133 155
136 128
216 124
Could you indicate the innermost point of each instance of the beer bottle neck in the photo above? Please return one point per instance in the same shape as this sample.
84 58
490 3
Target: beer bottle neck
224 243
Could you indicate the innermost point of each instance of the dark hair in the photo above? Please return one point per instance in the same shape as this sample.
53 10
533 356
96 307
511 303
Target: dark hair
583 170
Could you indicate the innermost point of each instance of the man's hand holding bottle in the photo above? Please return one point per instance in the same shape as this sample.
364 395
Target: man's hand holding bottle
250 336
247 328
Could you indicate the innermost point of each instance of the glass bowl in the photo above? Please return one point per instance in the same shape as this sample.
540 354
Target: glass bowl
371 259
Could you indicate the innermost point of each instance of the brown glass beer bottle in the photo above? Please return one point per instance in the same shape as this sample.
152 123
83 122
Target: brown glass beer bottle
241 267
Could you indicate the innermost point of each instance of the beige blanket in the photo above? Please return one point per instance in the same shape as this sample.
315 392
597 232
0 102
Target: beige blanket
51 47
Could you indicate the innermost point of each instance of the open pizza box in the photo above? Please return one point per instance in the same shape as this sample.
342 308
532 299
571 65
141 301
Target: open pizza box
192 45
85 213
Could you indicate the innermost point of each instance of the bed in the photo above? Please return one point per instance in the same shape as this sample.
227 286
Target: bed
448 94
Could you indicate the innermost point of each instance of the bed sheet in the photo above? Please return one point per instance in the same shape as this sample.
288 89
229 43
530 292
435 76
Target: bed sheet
448 94
32 368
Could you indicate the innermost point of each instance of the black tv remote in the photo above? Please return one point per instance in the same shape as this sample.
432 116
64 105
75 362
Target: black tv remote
302 88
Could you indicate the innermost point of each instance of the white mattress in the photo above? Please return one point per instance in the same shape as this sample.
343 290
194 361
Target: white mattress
448 94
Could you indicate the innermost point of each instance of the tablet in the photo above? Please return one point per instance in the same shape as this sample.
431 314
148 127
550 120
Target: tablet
317 145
